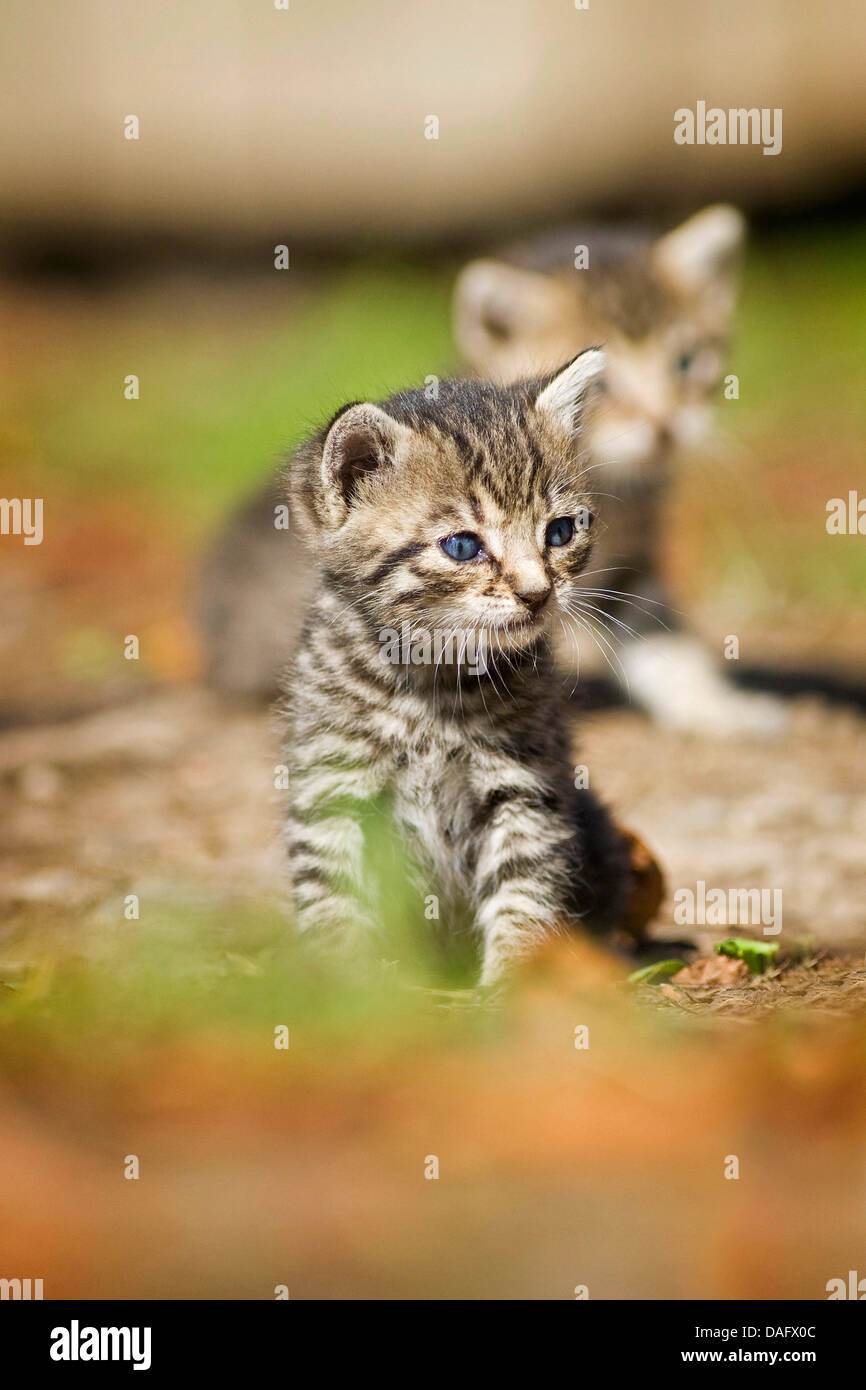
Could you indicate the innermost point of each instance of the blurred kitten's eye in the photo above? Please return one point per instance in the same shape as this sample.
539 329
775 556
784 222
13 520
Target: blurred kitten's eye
559 531
464 546
701 364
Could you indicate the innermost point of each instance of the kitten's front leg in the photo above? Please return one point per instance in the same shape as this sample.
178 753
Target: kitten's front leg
324 838
521 878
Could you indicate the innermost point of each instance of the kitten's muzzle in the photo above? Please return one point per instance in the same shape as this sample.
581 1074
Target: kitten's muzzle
534 599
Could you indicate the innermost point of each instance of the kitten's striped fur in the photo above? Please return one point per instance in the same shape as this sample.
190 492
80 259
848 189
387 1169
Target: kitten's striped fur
477 766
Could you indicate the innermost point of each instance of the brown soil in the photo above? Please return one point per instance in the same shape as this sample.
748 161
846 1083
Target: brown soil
176 790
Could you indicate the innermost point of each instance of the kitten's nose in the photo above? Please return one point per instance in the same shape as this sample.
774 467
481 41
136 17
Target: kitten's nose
535 596
664 433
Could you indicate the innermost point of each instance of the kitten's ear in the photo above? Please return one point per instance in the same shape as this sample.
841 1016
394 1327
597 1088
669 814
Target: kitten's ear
362 439
497 304
701 254
567 395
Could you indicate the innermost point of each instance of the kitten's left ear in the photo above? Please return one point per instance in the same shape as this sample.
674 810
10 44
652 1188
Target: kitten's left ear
566 396
361 440
701 254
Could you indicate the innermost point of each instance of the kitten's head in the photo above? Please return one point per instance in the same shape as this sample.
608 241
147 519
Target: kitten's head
466 513
661 307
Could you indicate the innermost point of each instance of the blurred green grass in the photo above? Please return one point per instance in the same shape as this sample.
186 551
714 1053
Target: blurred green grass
189 965
228 382
801 346
184 972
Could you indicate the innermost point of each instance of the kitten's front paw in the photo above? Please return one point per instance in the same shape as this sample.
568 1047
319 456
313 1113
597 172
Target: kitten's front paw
494 972
488 996
503 957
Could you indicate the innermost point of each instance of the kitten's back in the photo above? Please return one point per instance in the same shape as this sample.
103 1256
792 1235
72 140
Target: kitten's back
554 250
253 591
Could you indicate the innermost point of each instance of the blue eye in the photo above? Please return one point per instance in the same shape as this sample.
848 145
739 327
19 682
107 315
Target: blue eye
684 362
560 531
464 546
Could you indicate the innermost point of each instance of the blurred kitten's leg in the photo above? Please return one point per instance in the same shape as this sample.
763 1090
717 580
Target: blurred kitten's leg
676 680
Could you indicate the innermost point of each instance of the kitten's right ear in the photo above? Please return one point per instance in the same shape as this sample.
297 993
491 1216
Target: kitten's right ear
496 305
361 440
701 253
566 396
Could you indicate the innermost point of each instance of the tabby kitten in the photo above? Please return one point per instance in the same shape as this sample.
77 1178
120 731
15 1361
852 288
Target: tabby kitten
662 307
464 518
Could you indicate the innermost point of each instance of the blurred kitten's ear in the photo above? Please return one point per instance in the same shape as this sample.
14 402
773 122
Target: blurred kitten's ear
700 256
362 439
568 394
496 304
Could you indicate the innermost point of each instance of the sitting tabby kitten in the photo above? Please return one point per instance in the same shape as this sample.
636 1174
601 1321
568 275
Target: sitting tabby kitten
662 308
462 516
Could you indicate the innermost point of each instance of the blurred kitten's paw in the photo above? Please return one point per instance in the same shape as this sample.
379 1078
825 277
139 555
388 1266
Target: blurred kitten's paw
729 713
680 684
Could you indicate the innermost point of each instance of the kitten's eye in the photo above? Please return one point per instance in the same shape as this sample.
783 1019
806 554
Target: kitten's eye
464 546
559 531
701 364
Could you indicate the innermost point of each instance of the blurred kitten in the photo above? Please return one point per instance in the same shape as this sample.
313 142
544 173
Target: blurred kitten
662 307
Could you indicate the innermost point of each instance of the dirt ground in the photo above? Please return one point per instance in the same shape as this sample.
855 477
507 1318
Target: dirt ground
172 794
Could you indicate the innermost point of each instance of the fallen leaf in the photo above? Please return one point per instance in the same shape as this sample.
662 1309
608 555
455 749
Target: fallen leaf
714 970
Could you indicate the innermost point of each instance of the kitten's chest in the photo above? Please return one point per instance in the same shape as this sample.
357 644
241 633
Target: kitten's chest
435 805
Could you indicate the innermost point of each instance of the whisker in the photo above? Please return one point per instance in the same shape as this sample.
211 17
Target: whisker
605 618
611 596
586 622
